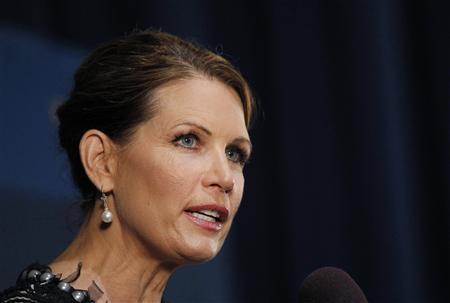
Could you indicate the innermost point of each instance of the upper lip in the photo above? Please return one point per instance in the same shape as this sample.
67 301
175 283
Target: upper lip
223 212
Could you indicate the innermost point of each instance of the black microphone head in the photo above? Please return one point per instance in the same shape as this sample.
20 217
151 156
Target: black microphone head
330 285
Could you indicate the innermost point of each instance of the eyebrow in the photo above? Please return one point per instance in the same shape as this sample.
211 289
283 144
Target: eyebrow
207 131
237 140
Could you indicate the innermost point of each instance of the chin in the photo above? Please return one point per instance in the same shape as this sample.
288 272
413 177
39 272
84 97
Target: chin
200 252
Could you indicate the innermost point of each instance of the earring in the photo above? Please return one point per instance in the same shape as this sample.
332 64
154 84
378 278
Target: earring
107 214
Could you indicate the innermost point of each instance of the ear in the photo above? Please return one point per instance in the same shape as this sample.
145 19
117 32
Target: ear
98 155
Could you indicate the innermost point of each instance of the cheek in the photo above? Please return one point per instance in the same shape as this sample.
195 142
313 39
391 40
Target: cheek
156 183
235 199
175 178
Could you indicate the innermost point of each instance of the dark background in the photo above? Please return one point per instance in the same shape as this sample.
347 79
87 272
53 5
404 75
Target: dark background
351 165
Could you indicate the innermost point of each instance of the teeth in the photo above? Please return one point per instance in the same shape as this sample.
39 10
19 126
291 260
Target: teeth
211 213
203 217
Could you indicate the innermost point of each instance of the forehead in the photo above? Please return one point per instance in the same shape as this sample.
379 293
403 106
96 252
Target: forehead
205 101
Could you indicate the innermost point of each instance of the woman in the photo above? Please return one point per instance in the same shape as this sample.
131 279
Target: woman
155 130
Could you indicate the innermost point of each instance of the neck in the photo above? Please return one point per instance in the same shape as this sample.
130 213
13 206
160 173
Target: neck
123 270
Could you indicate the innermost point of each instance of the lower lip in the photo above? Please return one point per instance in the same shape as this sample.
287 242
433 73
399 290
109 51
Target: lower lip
211 226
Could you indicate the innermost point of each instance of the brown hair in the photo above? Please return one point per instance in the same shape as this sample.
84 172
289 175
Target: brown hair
114 89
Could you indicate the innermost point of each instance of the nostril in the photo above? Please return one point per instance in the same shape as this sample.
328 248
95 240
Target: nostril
219 178
228 188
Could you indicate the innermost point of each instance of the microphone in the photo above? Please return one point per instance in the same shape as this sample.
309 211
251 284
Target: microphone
330 285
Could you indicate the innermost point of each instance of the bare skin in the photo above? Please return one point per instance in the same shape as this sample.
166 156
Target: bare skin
190 154
109 265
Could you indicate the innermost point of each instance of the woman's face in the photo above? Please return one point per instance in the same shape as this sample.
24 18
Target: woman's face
180 180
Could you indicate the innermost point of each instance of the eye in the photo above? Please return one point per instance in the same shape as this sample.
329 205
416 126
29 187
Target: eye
237 155
187 140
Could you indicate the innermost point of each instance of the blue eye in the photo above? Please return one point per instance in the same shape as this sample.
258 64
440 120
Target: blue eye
188 141
237 155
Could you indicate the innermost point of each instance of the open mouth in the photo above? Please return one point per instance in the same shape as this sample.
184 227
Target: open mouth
208 216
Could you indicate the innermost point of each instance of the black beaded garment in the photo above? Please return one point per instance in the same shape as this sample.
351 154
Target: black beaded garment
37 284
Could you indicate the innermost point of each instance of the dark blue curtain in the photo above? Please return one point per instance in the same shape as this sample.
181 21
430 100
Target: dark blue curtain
351 165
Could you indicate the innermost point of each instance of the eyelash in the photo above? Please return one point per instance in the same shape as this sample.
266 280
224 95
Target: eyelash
242 154
178 138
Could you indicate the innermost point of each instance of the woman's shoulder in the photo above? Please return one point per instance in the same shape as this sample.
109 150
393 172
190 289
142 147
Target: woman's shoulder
37 284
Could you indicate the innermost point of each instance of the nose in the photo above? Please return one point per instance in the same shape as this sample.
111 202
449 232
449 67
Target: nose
219 174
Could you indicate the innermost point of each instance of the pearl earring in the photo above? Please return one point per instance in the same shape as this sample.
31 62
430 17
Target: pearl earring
107 214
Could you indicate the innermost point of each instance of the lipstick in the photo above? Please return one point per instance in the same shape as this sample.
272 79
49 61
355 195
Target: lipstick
208 216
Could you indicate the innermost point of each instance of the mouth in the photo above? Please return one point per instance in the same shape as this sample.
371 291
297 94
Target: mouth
210 217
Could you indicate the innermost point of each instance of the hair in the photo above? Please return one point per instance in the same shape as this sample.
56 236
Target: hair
115 86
